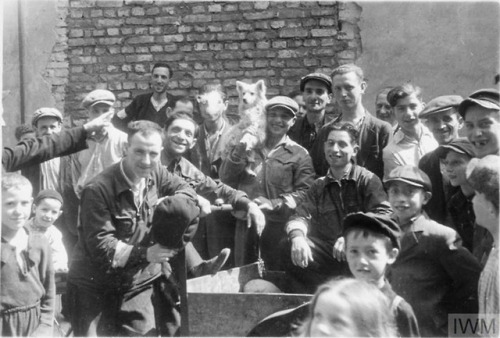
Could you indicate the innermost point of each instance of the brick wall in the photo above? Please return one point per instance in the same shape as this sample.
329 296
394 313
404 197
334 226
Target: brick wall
113 44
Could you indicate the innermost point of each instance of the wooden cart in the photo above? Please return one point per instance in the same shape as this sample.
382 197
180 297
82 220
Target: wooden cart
218 308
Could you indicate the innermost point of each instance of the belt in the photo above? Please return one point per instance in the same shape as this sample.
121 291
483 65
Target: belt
20 308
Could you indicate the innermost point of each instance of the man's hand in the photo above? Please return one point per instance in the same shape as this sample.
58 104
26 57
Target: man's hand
255 216
301 252
339 249
204 205
263 203
159 254
98 124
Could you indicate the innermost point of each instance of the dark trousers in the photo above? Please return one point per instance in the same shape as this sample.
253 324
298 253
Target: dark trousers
149 310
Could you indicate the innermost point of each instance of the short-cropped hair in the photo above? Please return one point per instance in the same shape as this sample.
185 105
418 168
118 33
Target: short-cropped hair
342 126
347 68
14 180
482 175
23 129
144 128
403 91
182 115
163 65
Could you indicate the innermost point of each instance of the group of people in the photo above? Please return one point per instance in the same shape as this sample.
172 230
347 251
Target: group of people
398 209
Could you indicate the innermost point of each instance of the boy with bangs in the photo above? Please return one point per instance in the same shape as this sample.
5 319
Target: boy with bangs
316 250
433 272
27 288
372 245
412 140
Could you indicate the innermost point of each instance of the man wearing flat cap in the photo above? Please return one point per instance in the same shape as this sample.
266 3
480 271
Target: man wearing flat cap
348 87
106 148
481 113
442 118
316 91
150 106
284 172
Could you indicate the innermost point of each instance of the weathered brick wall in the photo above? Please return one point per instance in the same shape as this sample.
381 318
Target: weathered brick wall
113 44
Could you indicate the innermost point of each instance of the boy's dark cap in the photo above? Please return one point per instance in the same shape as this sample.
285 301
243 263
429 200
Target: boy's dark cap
441 103
459 145
46 112
47 193
487 98
283 101
411 175
319 77
378 223
175 221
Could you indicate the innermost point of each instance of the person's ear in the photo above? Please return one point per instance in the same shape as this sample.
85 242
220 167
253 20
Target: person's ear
292 121
355 149
364 85
427 197
460 121
393 254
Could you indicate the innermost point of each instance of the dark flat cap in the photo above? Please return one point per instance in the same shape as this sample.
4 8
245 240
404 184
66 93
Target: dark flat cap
382 224
459 145
441 103
411 175
175 221
486 98
285 102
319 77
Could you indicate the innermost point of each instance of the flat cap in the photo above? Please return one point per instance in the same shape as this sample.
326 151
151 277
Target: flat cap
441 103
319 77
411 175
175 221
47 193
459 145
487 98
98 96
378 223
46 112
285 102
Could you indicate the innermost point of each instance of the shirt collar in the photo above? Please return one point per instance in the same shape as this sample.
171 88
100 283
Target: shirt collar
348 174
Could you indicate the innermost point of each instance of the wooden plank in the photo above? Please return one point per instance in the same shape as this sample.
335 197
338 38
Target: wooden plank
226 281
235 314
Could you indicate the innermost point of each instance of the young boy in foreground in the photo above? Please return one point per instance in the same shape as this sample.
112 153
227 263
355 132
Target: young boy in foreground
433 272
27 288
372 245
482 174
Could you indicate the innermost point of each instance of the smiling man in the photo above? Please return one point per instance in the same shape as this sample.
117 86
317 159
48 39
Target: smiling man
348 87
442 118
481 112
150 106
316 95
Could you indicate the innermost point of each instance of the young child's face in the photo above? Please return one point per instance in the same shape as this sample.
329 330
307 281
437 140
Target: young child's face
483 130
179 137
455 166
406 200
368 256
16 207
332 317
406 112
212 106
47 212
339 149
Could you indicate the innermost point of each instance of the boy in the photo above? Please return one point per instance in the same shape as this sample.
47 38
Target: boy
433 272
372 245
454 159
315 231
46 209
27 288
413 140
482 175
